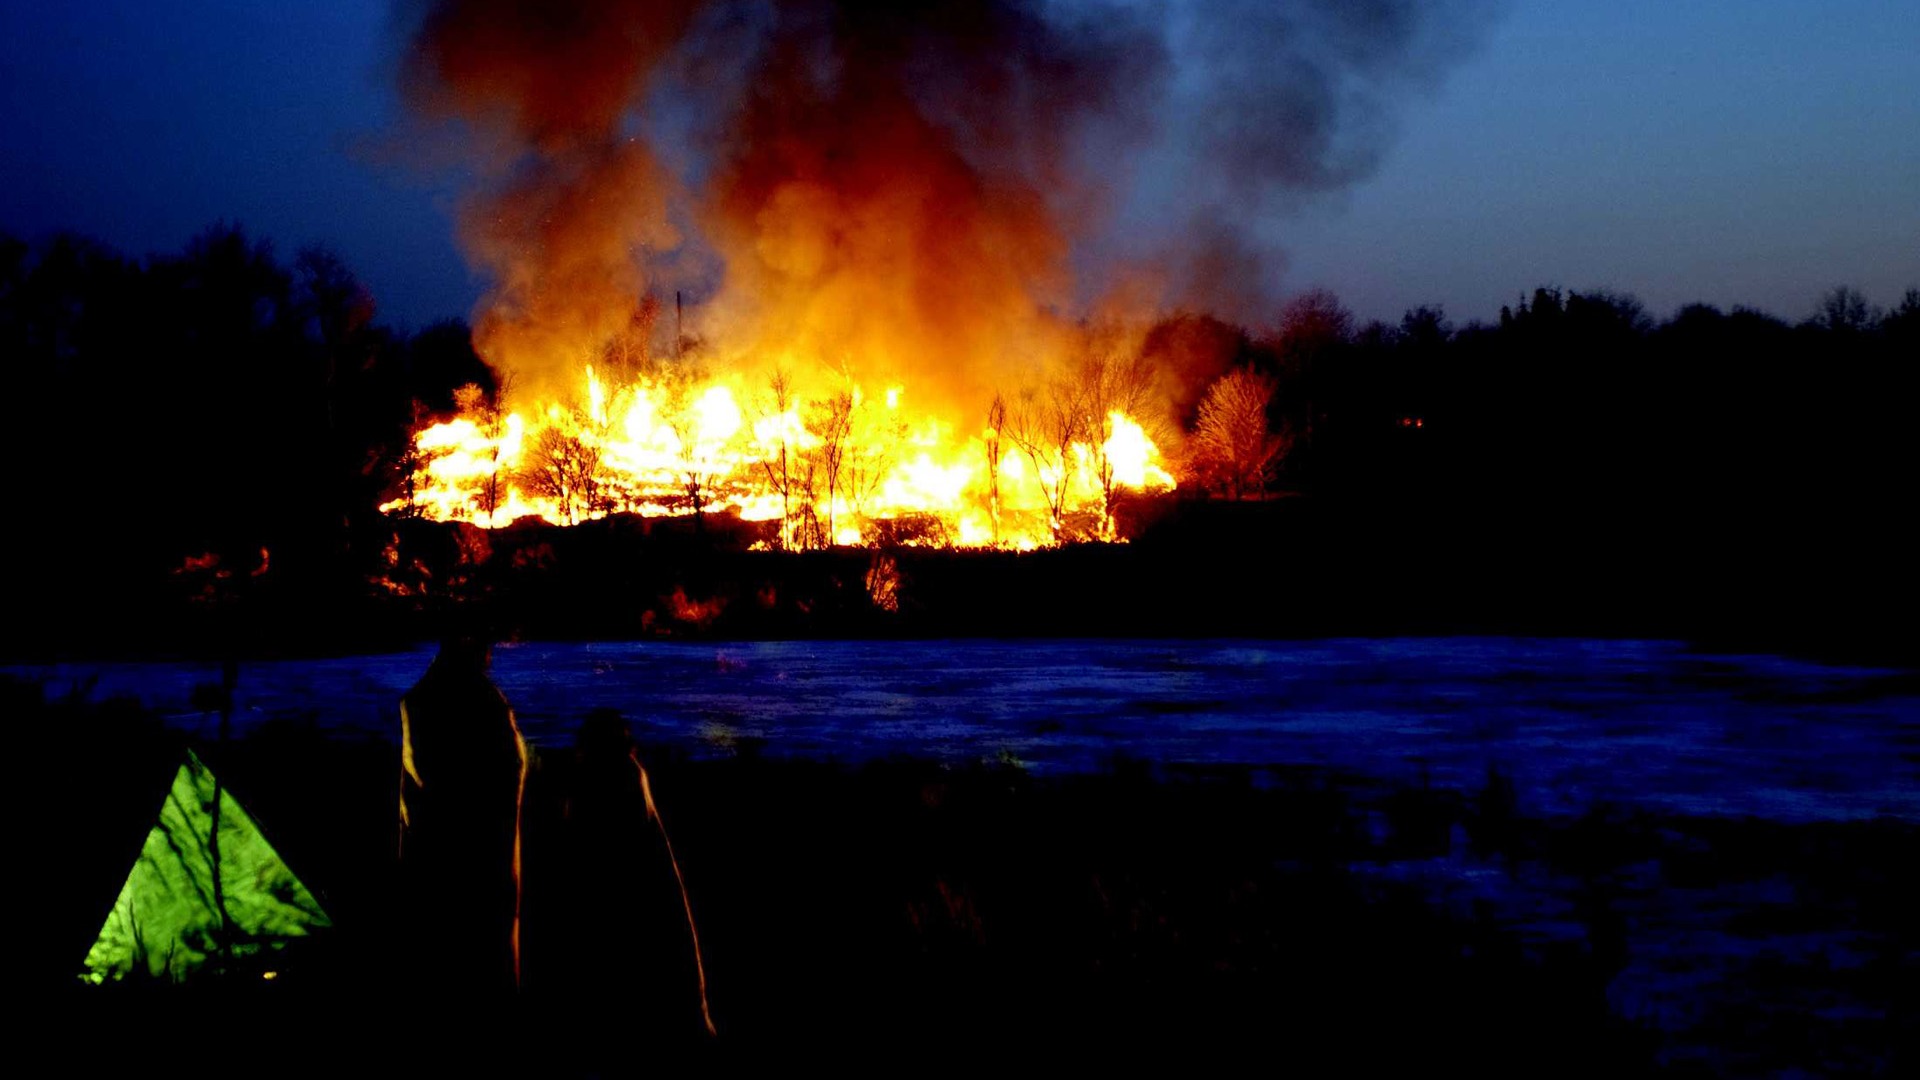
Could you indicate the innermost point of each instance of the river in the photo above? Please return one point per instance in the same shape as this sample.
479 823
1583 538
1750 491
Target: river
1573 722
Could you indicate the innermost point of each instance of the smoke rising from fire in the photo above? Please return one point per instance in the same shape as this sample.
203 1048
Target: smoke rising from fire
929 190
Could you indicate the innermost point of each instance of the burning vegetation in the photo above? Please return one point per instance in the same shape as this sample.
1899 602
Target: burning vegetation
915 237
837 462
954 275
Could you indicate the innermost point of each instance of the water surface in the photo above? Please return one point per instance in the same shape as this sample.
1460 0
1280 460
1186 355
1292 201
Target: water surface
1574 722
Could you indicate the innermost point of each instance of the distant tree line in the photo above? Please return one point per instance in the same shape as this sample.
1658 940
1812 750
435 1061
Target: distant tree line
222 395
1571 401
218 399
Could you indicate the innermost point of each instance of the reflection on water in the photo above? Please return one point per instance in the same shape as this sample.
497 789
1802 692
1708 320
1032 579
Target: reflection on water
1574 722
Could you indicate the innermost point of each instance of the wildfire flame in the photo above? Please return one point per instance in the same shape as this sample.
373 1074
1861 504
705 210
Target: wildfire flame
832 466
906 205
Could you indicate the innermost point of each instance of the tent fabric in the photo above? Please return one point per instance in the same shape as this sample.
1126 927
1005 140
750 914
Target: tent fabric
191 904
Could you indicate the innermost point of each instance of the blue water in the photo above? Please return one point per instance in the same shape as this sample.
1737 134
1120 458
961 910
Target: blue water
1574 722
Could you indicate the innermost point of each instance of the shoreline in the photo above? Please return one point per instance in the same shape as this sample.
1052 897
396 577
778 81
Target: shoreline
1888 659
1181 909
1289 569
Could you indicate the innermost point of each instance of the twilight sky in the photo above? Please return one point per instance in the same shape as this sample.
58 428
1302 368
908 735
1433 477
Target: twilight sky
1739 153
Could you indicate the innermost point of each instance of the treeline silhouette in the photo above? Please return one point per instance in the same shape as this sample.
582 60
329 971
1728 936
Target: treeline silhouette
218 403
1583 399
1580 466
223 415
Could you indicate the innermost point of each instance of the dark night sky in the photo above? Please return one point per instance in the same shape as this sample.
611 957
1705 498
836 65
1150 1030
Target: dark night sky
1752 153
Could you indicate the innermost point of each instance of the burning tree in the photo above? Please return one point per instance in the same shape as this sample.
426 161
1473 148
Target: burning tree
565 467
702 423
1045 423
788 471
839 466
996 424
830 422
1233 448
491 419
876 435
1110 386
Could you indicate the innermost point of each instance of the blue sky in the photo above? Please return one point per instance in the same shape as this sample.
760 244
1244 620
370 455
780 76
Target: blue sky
1754 153
1738 153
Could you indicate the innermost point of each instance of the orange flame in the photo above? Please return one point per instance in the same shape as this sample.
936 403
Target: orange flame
829 464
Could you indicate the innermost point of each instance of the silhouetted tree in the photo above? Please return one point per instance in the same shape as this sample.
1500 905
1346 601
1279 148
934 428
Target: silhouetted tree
440 360
1902 324
1426 327
1312 323
1845 310
1188 351
1313 342
564 467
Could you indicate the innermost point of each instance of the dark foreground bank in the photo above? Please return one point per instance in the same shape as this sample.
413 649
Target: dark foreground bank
910 915
1296 567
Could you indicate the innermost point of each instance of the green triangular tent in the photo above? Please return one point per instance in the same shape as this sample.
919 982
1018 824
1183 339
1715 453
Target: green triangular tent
171 921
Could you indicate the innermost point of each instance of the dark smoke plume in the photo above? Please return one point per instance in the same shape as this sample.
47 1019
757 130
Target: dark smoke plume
896 184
